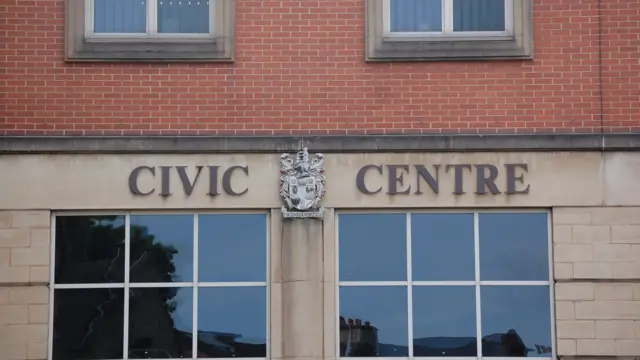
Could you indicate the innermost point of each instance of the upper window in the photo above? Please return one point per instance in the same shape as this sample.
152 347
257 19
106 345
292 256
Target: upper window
150 30
464 285
155 286
448 29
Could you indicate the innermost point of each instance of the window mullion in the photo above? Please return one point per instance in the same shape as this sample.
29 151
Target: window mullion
194 334
409 287
476 251
152 18
127 261
447 16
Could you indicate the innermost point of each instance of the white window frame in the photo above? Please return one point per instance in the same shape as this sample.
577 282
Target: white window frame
194 285
447 25
152 25
477 283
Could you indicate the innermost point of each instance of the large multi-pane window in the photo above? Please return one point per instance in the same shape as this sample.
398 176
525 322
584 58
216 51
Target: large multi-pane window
444 284
150 18
157 286
449 17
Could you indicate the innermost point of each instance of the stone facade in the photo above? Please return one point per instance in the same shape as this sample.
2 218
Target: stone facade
24 275
597 273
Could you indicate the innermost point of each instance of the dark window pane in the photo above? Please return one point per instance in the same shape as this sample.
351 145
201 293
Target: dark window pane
478 15
89 249
183 17
161 248
88 324
232 322
444 321
514 246
232 247
416 15
373 321
120 16
516 321
373 247
442 247
160 323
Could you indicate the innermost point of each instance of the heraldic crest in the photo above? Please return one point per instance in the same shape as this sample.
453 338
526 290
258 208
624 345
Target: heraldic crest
302 185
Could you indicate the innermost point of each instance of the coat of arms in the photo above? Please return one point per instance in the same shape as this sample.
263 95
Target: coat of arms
302 185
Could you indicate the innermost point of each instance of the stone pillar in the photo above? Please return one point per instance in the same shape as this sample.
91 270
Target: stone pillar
302 289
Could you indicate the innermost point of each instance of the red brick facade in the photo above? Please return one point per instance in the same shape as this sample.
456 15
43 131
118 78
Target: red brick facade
300 69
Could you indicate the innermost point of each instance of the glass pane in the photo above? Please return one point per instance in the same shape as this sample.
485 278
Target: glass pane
442 247
160 323
120 16
478 15
373 321
232 322
232 247
161 248
516 321
416 15
89 249
514 246
183 17
88 324
373 247
444 321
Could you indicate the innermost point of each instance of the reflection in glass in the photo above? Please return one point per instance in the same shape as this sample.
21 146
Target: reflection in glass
373 321
442 247
514 246
120 16
160 323
161 248
88 324
232 247
373 247
444 321
183 17
89 249
416 15
516 321
478 15
232 322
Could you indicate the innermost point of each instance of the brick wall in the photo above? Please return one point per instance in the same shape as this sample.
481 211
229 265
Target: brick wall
24 275
597 269
300 70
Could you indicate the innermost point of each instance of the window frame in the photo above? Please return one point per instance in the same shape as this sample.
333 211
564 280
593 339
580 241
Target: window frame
447 25
194 285
477 283
82 44
514 43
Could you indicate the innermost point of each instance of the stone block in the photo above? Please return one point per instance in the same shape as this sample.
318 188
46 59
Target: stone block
37 351
4 295
29 295
302 319
39 274
40 238
14 274
615 329
302 250
607 310
566 347
628 347
38 314
602 347
13 350
30 219
563 271
30 256
14 238
5 219
562 234
572 252
593 270
565 310
625 234
591 234
626 270
615 215
575 329
604 291
612 252
571 216
275 323
26 333
5 257
14 314
574 291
